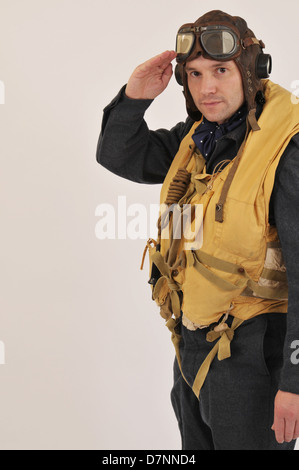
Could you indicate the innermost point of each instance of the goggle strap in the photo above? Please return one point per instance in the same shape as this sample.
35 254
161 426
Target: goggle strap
249 42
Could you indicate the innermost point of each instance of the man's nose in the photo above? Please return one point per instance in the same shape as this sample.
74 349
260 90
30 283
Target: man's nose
208 85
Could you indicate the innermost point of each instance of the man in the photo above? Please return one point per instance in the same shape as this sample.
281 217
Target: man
236 382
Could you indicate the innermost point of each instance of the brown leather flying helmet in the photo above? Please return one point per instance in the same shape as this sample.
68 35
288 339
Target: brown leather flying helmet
220 36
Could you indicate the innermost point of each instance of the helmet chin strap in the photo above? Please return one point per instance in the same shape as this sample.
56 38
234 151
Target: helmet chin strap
252 120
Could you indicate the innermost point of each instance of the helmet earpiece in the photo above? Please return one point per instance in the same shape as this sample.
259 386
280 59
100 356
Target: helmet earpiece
178 75
263 65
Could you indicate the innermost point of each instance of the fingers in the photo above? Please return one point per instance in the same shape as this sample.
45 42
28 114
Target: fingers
168 72
289 430
296 431
286 427
278 428
285 431
165 57
161 61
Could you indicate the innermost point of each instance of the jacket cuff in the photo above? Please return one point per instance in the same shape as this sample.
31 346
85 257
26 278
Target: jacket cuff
125 107
289 376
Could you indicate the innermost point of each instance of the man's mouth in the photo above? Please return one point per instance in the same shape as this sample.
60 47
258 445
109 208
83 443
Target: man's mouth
211 103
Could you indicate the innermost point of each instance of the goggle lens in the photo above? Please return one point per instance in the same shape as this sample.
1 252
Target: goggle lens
184 43
219 44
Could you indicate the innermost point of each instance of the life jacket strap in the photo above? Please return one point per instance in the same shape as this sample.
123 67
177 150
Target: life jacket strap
221 348
199 260
223 333
173 324
166 277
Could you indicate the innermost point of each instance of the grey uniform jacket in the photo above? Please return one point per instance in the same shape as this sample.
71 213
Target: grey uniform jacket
129 149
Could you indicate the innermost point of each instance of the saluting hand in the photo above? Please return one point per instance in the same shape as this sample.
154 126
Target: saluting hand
152 77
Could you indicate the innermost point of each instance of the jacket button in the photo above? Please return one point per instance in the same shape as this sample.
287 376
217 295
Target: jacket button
175 272
241 270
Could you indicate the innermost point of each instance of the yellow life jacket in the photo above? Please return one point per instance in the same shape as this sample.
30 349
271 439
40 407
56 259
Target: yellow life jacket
234 264
239 267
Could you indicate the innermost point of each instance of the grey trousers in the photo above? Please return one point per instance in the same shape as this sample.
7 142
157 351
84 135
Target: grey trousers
236 406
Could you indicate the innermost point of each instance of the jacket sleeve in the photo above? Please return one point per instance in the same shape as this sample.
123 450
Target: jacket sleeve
129 149
286 204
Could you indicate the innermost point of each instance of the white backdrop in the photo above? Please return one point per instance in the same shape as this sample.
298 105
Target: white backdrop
88 360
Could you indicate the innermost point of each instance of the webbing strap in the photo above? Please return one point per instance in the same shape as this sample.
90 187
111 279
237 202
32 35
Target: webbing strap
198 263
222 348
176 338
273 275
199 259
228 181
268 292
158 260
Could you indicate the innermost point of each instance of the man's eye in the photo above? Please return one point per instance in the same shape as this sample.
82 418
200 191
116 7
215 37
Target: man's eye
221 69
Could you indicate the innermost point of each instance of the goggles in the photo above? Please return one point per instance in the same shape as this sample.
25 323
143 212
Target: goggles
219 42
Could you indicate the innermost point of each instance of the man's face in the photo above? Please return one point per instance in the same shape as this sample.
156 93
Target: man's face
216 88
